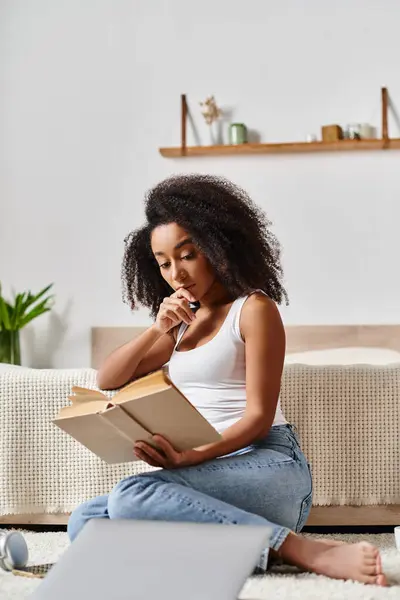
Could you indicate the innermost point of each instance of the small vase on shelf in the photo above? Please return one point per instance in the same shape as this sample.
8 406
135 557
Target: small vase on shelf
10 351
237 133
211 114
212 136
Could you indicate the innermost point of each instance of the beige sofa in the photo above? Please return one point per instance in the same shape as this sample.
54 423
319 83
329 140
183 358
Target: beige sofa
347 416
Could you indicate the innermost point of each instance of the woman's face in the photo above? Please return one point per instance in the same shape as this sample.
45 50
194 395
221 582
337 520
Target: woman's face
181 263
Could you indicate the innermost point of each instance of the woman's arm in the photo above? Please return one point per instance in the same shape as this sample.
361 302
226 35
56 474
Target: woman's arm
150 350
264 335
146 353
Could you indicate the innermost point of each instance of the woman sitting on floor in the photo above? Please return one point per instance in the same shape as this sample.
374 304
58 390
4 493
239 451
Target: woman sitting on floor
206 243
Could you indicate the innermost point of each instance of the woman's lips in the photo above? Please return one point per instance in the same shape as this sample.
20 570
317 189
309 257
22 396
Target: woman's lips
186 287
190 289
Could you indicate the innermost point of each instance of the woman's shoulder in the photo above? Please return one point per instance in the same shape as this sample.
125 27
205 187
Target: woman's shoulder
258 301
259 311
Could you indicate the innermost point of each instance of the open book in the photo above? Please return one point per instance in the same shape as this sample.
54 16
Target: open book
149 405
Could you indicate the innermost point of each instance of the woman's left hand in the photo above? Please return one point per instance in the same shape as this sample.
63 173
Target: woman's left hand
168 458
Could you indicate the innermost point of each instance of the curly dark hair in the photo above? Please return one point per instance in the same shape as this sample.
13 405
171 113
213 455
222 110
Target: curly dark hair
223 222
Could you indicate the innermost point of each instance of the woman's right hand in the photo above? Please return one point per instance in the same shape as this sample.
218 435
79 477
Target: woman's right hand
174 310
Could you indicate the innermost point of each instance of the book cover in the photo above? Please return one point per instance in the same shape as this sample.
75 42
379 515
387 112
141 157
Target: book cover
149 405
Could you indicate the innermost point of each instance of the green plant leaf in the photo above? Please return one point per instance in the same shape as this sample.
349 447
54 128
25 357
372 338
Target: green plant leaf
15 316
38 310
4 314
32 299
32 315
10 310
19 299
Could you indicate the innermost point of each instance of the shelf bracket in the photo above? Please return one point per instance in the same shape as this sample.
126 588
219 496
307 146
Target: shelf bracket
385 128
183 123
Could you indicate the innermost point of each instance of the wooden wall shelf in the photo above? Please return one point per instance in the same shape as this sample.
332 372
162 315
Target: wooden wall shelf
289 148
385 143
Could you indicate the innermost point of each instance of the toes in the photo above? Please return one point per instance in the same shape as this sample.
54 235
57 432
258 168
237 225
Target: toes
368 549
379 565
371 579
366 546
370 569
381 580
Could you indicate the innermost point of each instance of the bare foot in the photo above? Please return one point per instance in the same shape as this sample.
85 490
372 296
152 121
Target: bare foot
276 559
359 562
330 542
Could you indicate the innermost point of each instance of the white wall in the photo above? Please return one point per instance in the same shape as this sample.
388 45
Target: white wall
90 90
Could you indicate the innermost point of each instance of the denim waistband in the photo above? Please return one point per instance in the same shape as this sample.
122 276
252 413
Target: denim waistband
286 430
282 438
279 436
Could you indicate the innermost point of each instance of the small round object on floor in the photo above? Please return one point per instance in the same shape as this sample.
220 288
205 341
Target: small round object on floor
13 550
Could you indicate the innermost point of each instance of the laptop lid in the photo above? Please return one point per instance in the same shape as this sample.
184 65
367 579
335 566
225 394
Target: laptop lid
155 560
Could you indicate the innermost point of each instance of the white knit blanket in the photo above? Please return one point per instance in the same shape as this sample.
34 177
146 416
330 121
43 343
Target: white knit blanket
43 469
348 419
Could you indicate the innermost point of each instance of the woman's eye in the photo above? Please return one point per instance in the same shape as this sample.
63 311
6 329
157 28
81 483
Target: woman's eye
188 256
164 265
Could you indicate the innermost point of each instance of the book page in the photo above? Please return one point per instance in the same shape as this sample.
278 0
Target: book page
82 406
169 413
149 384
80 391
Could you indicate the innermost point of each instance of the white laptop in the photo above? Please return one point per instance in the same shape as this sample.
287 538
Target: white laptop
155 560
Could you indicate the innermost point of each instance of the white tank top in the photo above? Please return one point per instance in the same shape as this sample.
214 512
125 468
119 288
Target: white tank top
213 376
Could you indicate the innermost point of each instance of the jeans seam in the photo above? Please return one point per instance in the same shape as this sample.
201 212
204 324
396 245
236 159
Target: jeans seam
310 494
302 511
190 502
254 465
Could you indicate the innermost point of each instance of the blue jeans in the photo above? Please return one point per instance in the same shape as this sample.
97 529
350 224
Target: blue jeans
268 484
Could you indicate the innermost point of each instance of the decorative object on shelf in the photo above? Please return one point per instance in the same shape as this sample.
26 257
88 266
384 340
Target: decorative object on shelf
367 131
211 114
331 133
237 133
13 317
311 137
347 145
353 131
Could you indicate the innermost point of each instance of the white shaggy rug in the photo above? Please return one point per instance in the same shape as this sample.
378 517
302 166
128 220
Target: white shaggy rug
48 547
